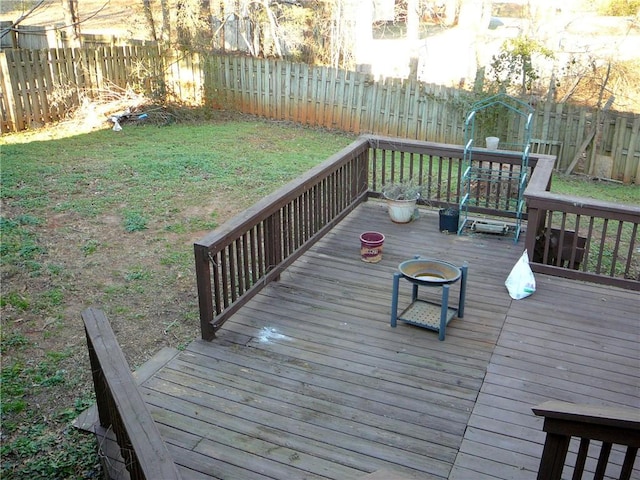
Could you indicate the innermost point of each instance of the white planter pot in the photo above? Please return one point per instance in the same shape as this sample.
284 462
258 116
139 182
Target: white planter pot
492 143
401 211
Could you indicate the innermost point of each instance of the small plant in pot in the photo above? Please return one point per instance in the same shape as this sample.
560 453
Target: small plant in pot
449 219
401 199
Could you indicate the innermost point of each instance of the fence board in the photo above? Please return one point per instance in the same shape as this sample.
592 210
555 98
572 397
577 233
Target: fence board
615 145
258 78
41 87
24 108
10 117
632 159
53 85
304 102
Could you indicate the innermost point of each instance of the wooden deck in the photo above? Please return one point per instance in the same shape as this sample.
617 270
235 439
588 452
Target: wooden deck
310 381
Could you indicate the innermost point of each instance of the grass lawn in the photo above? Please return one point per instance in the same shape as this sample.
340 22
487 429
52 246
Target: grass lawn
109 219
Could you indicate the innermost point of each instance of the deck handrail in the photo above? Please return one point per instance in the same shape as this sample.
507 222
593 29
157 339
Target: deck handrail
439 168
572 237
120 404
235 261
609 425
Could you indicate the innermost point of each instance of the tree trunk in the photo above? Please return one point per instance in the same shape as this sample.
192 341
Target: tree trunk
148 15
274 28
166 22
72 22
413 20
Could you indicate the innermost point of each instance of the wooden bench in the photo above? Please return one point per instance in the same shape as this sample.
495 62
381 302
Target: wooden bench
121 409
609 425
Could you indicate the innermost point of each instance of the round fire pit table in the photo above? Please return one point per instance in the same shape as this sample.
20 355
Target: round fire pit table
429 273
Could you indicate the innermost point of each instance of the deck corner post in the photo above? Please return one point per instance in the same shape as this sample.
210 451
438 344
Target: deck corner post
205 295
553 456
534 221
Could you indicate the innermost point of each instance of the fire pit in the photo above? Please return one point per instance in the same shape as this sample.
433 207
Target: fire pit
429 273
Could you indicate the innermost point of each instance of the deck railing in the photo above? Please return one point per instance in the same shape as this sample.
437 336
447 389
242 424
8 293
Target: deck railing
439 168
121 408
235 261
607 426
581 238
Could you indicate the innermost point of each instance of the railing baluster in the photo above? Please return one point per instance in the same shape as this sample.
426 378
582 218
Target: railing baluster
631 250
581 460
629 460
603 461
616 247
225 276
245 263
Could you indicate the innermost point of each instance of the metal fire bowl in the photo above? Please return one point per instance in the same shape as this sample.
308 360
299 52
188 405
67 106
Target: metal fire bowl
429 272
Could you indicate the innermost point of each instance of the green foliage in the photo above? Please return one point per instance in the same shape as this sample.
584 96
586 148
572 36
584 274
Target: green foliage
89 247
514 65
601 190
52 297
19 248
20 378
16 300
133 221
619 8
137 273
39 444
41 454
405 190
14 340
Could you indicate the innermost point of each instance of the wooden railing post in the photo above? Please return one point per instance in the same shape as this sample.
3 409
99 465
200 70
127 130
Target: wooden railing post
609 425
205 293
533 223
121 407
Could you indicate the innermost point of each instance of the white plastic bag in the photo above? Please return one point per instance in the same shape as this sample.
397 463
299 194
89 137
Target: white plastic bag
521 283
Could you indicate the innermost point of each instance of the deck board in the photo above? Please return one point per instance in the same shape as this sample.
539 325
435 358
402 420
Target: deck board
309 380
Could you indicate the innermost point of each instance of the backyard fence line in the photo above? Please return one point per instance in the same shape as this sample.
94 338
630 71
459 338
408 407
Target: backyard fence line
34 82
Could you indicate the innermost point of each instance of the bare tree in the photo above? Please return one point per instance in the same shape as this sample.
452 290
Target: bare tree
166 21
413 20
72 22
148 15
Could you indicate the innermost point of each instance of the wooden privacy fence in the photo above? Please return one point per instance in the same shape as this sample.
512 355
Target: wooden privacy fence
39 87
354 102
312 95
